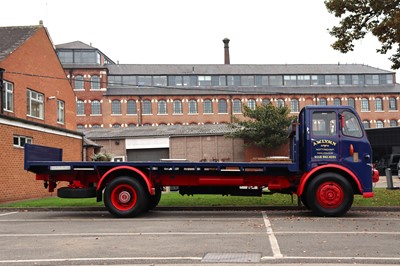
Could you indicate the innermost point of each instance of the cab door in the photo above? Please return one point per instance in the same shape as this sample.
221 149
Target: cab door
324 148
355 150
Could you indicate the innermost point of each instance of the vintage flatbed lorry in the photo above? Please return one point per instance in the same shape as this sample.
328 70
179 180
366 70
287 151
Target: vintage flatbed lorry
330 161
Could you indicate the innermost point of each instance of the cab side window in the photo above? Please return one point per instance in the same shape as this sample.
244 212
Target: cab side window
324 123
351 126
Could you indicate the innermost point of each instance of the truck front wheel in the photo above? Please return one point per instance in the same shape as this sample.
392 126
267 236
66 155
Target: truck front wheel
329 194
125 197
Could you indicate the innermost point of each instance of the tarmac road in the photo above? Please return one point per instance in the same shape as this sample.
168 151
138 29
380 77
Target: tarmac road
198 237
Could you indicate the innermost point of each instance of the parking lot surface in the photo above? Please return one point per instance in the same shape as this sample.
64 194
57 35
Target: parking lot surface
198 237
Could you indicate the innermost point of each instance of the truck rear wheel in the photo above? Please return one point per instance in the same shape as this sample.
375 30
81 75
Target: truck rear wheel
329 194
125 197
155 199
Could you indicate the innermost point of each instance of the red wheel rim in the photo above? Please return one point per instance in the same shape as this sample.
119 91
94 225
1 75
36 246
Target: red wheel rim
123 197
330 195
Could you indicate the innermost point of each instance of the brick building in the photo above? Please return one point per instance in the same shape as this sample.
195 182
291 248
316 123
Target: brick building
111 95
37 105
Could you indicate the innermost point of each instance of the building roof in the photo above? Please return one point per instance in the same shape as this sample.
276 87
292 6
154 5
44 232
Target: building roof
241 69
159 131
300 90
75 45
13 37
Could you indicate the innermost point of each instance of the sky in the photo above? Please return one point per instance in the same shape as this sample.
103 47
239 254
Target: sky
191 31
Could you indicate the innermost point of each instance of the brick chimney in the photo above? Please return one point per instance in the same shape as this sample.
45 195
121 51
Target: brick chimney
226 48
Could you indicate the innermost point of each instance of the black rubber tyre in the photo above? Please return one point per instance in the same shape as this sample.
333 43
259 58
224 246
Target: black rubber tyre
154 200
126 197
66 192
303 199
330 195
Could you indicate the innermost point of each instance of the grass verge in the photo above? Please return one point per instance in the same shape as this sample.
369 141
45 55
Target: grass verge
383 198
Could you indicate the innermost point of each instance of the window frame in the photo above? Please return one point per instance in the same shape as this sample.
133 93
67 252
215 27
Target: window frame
95 107
8 96
37 101
60 112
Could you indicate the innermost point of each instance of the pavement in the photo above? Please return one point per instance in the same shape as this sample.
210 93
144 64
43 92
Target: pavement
383 182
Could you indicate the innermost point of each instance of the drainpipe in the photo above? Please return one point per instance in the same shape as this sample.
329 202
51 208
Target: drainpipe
1 91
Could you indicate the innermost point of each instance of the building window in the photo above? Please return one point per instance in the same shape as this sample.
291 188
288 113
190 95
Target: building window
393 123
222 106
162 107
331 80
366 124
392 104
144 80
290 80
95 83
208 107
237 106
116 107
364 105
19 141
294 106
372 79
265 101
131 125
322 101
80 126
177 107
204 80
193 107
345 80
78 84
280 103
303 80
261 80
378 104
251 104
116 125
337 101
8 96
96 126
131 107
247 80
66 57
317 80
95 107
35 105
358 79
218 80
160 80
379 124
60 112
233 80
147 107
80 107
351 102
275 81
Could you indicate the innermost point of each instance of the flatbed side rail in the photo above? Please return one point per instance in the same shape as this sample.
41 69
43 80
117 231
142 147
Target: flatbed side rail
34 152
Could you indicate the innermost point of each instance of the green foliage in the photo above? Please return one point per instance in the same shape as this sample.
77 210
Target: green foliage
358 17
102 156
266 126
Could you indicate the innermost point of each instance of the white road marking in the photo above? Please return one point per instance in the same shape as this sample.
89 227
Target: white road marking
272 239
100 259
7 213
265 258
127 234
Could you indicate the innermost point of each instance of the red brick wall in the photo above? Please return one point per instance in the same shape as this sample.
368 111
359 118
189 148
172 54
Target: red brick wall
18 184
37 58
106 119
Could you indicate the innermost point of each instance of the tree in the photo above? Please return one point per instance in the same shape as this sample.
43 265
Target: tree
358 17
265 127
